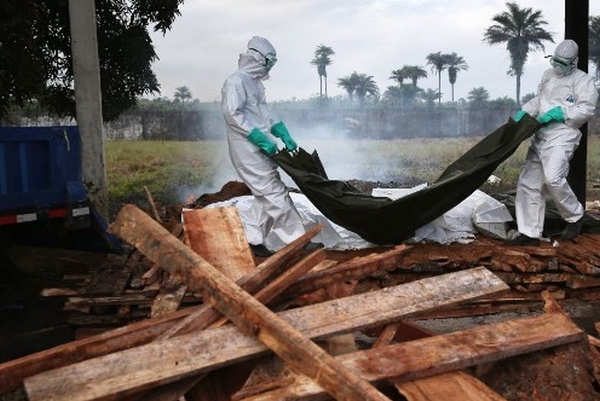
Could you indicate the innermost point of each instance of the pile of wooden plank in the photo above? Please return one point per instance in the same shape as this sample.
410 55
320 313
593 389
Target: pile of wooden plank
139 289
302 312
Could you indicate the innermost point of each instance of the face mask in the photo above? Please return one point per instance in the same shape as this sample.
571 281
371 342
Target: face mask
268 60
562 66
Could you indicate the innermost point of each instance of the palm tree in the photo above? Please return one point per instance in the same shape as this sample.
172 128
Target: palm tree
399 75
348 84
393 94
365 85
322 60
404 96
455 63
522 30
182 93
414 73
429 96
478 97
438 62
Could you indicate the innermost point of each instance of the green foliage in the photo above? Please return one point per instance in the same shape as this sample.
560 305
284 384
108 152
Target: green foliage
527 97
36 62
594 41
522 29
322 60
361 86
167 167
182 94
164 167
478 97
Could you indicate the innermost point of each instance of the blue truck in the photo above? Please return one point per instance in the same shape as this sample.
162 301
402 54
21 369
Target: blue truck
43 200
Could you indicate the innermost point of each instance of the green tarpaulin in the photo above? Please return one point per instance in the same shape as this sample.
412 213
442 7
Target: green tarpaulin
384 221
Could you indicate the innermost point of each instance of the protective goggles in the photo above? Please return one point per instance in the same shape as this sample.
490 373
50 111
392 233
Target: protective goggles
561 61
270 59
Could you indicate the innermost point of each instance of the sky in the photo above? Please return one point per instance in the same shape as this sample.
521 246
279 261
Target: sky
372 37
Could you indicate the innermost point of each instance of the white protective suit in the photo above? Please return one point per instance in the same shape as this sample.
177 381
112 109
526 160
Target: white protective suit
274 220
552 147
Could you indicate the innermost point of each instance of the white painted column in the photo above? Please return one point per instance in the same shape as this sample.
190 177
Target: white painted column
88 98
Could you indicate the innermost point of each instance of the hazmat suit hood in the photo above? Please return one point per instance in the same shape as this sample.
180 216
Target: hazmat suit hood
259 58
564 61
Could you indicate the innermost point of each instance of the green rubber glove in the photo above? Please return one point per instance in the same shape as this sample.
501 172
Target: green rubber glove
258 138
280 131
520 114
555 114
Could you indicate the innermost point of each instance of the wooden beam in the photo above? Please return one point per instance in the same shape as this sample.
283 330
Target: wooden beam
444 353
204 351
229 252
354 269
456 385
13 372
174 391
217 234
448 386
249 315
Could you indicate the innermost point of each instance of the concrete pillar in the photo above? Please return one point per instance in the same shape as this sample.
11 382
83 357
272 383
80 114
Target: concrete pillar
577 13
88 98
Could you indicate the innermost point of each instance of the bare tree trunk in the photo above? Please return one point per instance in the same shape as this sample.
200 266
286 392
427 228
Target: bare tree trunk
518 90
440 88
320 85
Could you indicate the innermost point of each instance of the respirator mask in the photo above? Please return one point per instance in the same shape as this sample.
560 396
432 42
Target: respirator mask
562 66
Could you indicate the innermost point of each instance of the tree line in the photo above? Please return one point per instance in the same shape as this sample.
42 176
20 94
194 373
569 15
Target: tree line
36 65
520 28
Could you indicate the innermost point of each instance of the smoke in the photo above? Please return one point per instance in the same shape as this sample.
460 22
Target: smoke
219 171
342 150
343 158
349 153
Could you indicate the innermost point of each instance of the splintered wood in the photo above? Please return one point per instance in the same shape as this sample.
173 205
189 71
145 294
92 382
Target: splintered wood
249 315
292 303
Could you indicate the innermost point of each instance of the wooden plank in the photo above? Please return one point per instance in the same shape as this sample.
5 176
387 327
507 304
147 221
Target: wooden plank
541 278
151 275
190 354
169 298
199 228
203 318
576 281
456 385
590 242
171 291
249 315
217 234
448 386
174 391
125 299
13 372
443 353
353 269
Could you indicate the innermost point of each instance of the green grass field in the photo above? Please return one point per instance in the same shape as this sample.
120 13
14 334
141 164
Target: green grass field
166 167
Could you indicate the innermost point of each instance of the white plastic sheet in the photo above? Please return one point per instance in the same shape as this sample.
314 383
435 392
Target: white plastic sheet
478 213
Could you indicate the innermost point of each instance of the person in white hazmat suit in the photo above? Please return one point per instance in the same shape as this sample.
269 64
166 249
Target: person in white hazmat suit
273 220
565 100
